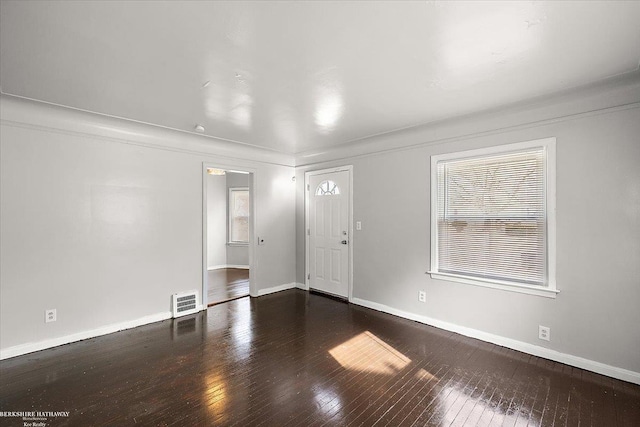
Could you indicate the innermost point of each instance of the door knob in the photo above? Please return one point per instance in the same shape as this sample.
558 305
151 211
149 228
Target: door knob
344 242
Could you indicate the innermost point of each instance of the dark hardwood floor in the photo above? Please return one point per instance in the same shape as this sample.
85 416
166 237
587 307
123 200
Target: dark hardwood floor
298 359
225 284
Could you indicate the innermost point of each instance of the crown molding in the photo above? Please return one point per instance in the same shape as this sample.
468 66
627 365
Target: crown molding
613 94
28 113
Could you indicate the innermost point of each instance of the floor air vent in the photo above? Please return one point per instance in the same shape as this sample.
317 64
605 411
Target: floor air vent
185 303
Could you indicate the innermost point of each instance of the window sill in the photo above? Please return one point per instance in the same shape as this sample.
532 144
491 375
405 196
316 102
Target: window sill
237 244
505 286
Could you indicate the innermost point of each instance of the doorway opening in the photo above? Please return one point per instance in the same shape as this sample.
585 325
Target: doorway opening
228 224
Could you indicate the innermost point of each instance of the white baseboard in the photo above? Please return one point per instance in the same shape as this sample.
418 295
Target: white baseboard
218 267
278 288
21 349
579 362
302 286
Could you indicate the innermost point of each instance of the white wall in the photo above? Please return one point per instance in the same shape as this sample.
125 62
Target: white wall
216 220
596 316
102 219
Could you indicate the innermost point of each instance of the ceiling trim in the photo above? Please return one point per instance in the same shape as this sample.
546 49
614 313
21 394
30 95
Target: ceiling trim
621 92
617 93
30 113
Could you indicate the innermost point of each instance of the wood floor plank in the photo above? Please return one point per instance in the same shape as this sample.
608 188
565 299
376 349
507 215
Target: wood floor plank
427 397
225 284
298 359
627 399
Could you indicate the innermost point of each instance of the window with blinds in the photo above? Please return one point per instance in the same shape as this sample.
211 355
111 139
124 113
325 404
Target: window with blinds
490 219
239 215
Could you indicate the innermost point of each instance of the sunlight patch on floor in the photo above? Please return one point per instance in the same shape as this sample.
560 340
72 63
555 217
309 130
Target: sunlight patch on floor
366 352
216 396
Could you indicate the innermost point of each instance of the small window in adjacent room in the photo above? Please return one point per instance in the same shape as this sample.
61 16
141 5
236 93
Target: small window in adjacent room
239 215
493 217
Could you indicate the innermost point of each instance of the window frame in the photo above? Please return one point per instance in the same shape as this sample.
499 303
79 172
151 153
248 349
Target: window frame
230 217
335 190
549 146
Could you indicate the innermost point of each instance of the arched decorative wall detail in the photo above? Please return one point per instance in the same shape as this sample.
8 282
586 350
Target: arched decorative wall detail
327 188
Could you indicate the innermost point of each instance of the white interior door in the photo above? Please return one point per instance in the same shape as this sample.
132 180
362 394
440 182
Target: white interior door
328 232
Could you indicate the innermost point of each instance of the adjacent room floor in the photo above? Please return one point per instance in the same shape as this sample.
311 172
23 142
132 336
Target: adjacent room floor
298 359
225 284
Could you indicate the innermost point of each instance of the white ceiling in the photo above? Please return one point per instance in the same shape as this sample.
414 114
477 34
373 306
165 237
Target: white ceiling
299 76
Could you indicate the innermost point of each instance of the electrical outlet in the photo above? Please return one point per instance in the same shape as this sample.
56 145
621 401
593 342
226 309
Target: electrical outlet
544 333
422 296
358 225
50 315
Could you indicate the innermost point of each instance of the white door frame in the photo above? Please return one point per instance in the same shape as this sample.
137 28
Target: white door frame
307 175
253 239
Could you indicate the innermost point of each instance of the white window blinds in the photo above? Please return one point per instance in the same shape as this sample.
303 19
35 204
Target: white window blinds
238 215
491 217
